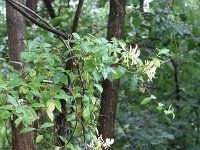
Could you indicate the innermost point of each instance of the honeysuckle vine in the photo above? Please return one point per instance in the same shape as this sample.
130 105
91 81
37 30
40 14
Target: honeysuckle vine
40 84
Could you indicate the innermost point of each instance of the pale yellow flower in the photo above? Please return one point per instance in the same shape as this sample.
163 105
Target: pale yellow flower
134 54
99 143
150 69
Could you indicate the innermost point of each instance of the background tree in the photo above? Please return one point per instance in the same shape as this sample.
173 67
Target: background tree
50 8
16 35
110 89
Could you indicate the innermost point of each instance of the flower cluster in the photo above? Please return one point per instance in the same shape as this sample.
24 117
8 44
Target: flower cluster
99 143
133 54
150 69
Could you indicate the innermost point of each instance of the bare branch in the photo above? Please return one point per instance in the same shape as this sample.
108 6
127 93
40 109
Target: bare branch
19 7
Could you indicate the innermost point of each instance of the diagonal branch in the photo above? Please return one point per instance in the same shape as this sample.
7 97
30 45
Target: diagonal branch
20 8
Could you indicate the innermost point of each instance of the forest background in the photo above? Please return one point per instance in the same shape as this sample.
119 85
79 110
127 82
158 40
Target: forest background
58 105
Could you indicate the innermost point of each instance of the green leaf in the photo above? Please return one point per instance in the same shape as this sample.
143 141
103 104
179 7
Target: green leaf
18 121
45 45
15 82
24 89
133 83
86 100
25 130
32 72
86 113
57 148
50 61
33 112
38 105
89 64
31 44
39 138
75 35
46 125
5 114
12 100
96 75
99 87
50 115
148 99
3 87
71 117
60 77
86 47
62 95
57 104
116 75
29 56
63 139
50 105
156 62
105 72
164 51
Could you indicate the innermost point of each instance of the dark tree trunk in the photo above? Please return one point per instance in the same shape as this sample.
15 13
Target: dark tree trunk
16 35
142 5
22 141
77 16
50 8
110 89
61 123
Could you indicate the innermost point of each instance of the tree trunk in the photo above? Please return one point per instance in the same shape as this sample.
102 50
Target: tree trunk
77 16
50 8
16 34
142 5
110 89
21 141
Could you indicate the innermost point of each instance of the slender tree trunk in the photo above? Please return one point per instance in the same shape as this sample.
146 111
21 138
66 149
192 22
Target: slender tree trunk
77 16
16 35
110 89
142 5
50 8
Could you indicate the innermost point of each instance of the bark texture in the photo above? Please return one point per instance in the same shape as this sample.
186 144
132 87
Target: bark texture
22 141
110 89
16 35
